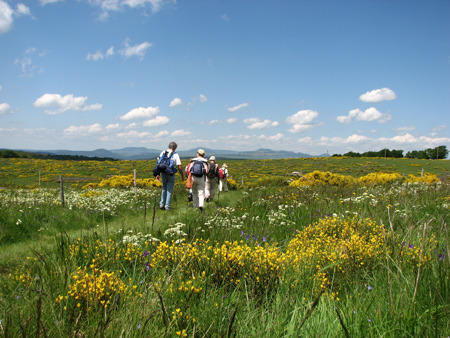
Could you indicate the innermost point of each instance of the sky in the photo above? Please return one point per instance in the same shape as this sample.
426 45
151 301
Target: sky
306 76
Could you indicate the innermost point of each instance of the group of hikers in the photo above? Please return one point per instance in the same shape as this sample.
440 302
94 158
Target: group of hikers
203 176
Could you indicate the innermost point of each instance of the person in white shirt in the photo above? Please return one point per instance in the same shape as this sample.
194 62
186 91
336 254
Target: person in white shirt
168 178
198 168
223 178
212 179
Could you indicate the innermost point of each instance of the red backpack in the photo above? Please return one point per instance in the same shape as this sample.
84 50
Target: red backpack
222 172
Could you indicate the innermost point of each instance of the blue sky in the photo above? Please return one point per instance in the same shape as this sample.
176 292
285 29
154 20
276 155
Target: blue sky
308 76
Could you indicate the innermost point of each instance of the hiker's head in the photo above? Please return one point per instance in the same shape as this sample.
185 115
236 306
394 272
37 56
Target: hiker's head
173 146
212 159
201 153
224 165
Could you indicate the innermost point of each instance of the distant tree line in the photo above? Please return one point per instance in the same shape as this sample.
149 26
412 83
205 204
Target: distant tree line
440 152
7 153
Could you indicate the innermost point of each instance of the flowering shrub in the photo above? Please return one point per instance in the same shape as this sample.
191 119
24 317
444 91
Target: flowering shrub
380 178
95 290
125 181
321 178
348 244
426 178
328 178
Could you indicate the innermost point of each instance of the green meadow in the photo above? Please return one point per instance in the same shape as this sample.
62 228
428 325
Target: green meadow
268 258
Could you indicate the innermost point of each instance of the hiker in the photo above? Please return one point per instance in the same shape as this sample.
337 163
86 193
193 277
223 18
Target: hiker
167 164
198 167
212 179
223 178
188 184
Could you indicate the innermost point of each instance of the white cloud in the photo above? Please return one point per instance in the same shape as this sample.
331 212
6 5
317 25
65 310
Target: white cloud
135 50
162 133
99 55
59 104
369 115
112 126
83 130
256 123
22 9
140 112
157 121
1 88
134 133
302 120
231 120
273 138
404 128
213 122
239 106
181 132
435 129
378 95
45 2
8 130
5 108
110 51
108 6
175 102
6 17
203 98
131 125
27 67
306 140
352 139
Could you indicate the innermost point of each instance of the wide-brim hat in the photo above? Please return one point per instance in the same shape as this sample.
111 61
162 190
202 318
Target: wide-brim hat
201 152
212 158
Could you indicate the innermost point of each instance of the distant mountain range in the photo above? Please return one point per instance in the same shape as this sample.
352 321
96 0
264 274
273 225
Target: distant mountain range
142 153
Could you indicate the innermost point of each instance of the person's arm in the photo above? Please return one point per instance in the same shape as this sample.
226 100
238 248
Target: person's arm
206 167
180 169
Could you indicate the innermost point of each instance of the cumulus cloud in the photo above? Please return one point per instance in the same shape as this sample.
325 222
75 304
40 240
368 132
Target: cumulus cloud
237 107
83 130
138 50
404 128
98 55
45 2
131 125
231 120
22 9
203 98
112 126
302 120
134 133
140 112
256 123
5 108
213 122
7 14
378 95
157 121
305 140
175 102
273 138
57 104
369 115
353 139
27 66
107 6
181 132
162 133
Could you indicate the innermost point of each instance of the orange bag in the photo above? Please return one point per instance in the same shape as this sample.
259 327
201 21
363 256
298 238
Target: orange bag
189 181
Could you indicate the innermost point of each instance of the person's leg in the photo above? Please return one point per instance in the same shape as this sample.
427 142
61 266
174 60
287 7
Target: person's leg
220 184
195 191
162 203
212 189
225 184
170 185
208 188
201 192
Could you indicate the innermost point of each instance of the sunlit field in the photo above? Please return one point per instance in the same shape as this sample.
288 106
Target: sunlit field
334 247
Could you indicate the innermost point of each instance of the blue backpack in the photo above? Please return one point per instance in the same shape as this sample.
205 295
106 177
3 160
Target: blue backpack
198 169
166 165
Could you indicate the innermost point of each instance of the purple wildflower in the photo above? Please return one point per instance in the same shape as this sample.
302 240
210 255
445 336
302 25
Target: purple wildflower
369 288
411 246
146 253
264 238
